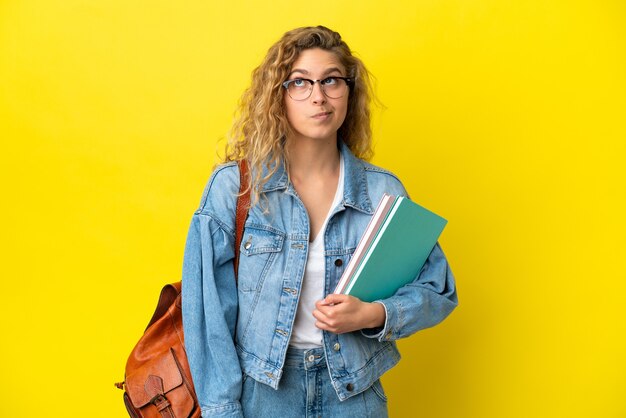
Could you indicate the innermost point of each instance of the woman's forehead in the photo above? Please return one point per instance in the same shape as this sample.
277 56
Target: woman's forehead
317 60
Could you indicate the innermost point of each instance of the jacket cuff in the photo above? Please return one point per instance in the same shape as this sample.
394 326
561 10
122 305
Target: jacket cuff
379 332
227 410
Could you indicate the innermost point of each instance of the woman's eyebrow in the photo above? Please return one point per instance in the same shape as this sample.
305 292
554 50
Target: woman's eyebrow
332 70
298 70
325 73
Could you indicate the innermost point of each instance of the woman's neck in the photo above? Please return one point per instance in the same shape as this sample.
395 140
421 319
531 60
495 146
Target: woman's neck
312 158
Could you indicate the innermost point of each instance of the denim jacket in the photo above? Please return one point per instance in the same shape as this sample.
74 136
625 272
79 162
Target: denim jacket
235 330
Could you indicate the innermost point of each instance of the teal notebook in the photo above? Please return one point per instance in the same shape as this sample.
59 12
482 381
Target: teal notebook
398 252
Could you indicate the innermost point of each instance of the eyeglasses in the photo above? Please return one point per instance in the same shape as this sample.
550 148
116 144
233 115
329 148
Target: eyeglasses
333 87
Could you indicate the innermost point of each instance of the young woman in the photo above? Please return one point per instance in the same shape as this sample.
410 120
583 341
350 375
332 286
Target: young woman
280 344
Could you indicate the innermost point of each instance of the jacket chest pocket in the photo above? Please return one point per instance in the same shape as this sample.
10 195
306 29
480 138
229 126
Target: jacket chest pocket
259 247
339 262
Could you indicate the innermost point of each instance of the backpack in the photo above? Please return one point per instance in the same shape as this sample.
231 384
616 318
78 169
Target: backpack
157 382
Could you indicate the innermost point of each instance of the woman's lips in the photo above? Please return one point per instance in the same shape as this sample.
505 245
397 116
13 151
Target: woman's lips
322 115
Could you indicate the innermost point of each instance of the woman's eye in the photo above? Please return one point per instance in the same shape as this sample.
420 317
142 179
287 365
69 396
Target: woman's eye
298 82
329 81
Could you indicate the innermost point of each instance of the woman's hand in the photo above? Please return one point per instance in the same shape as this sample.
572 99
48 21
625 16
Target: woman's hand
343 313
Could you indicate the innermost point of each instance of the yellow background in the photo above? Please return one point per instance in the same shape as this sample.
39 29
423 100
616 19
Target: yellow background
507 118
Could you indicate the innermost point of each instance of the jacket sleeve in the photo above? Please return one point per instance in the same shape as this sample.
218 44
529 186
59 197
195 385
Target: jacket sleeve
209 304
423 303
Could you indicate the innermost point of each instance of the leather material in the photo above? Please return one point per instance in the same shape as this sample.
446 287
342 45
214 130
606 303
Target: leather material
243 206
157 371
158 380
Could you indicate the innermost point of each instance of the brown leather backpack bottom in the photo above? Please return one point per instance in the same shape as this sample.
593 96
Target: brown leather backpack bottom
158 380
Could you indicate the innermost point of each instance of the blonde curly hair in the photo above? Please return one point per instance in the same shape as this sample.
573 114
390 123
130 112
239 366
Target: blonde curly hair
260 127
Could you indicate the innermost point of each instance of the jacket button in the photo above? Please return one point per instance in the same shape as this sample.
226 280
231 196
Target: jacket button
338 262
349 387
337 347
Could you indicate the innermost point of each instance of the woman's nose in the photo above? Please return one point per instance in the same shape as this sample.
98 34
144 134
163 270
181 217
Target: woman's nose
317 94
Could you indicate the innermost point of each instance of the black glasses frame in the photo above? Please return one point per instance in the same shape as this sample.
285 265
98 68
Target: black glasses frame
349 81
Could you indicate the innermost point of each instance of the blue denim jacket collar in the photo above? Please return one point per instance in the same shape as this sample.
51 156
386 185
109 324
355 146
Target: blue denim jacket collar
355 193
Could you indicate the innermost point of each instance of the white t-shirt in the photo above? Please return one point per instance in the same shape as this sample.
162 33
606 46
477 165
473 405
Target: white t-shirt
305 334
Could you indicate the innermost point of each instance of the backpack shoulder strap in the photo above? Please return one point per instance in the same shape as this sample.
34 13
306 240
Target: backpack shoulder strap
243 206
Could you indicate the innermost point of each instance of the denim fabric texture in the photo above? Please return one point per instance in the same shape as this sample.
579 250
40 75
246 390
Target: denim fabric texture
232 331
305 390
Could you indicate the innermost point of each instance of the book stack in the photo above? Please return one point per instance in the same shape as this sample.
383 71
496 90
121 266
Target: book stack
392 250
